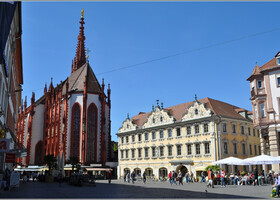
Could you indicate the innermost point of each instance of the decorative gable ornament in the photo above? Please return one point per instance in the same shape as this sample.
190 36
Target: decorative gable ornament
158 117
127 125
196 110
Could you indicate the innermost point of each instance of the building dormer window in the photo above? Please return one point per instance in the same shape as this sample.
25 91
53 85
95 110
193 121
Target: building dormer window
127 126
259 84
154 121
161 119
196 111
278 60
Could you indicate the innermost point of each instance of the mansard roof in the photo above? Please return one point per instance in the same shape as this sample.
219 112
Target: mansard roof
218 107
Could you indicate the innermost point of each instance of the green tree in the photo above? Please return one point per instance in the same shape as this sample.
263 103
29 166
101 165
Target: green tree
74 161
50 160
215 168
115 147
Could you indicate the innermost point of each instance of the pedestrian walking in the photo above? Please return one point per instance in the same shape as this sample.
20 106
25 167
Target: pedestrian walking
180 177
202 177
109 176
124 177
144 178
256 174
223 174
187 178
210 178
128 177
174 177
170 177
133 177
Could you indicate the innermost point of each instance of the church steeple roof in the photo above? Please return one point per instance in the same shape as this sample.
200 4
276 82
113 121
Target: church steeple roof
80 58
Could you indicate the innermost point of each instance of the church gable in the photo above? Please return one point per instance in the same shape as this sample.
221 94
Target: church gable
158 117
196 110
127 125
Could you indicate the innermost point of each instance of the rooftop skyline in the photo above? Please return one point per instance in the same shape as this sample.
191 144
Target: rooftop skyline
168 51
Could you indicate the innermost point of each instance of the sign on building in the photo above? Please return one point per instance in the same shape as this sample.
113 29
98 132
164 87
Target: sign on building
4 145
10 158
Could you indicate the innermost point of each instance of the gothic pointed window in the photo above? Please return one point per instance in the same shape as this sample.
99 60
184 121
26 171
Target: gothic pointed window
76 124
91 133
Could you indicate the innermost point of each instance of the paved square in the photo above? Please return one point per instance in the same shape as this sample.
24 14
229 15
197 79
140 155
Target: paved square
119 189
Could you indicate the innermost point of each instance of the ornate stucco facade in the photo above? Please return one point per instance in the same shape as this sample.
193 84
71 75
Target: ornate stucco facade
265 98
188 136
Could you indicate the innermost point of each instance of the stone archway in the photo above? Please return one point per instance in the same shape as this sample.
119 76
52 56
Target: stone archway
162 172
137 171
126 170
149 172
183 169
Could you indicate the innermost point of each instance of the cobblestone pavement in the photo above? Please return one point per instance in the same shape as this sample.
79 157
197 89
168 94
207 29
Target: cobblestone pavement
119 189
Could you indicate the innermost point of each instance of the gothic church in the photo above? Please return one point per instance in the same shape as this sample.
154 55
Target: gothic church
71 119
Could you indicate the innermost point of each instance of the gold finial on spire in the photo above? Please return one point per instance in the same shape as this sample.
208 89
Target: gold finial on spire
82 12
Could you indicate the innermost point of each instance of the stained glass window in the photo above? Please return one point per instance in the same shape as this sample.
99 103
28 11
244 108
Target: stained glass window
76 130
91 132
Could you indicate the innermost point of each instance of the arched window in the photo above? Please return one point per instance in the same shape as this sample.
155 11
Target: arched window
91 133
38 153
76 124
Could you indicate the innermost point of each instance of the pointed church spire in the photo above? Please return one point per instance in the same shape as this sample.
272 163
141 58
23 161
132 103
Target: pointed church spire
80 58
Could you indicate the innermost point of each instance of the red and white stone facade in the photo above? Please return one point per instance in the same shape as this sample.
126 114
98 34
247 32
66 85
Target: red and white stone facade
265 98
71 119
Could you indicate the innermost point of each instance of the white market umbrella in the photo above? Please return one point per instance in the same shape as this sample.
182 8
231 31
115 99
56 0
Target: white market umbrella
261 160
229 161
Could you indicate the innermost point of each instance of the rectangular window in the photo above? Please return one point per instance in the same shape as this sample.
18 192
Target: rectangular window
189 148
256 111
169 150
178 130
258 131
234 148
196 127
233 128
242 130
169 133
179 150
161 135
153 135
139 138
249 130
153 151
139 153
146 136
126 139
278 81
250 149
133 138
205 127
254 132
146 152
224 127
262 109
260 152
207 148
132 153
126 153
161 151
197 149
121 154
243 148
225 148
189 131
255 148
122 140
259 84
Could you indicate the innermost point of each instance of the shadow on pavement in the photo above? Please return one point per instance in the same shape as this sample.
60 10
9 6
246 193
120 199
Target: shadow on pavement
110 191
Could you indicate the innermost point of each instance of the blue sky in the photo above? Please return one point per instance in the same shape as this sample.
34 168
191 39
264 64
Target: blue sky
121 34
